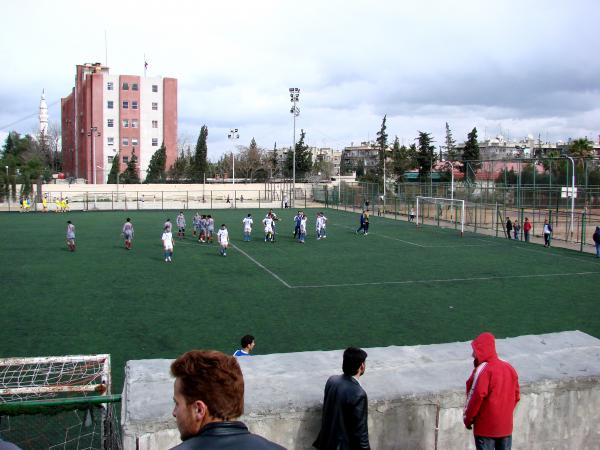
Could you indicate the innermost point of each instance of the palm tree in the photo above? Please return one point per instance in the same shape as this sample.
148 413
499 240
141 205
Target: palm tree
581 149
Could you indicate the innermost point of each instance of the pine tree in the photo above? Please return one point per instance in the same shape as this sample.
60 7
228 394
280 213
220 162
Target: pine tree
382 149
114 170
426 156
303 158
451 152
401 160
156 169
470 156
199 164
130 175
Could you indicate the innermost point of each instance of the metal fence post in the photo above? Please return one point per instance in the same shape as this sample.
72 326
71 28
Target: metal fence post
582 231
162 200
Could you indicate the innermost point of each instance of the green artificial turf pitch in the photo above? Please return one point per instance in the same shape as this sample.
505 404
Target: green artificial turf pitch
397 286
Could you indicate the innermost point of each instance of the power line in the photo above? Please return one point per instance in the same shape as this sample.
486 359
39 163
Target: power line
22 119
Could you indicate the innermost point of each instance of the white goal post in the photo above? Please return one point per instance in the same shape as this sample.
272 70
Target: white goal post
438 201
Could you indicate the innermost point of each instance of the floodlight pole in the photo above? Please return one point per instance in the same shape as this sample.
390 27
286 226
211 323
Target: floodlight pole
294 98
233 136
572 193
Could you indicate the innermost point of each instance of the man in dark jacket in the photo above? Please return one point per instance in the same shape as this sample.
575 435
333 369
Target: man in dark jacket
345 407
492 394
208 395
596 238
509 227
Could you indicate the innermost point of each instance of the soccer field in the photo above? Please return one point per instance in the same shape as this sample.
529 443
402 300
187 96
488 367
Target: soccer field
397 286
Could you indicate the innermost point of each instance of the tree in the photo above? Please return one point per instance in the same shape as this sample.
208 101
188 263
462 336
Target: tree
199 164
156 169
382 149
401 160
273 160
180 169
426 156
470 156
114 170
303 158
581 149
251 160
130 175
451 152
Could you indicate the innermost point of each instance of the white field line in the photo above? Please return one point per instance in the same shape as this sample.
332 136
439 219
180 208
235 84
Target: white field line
273 274
447 280
383 236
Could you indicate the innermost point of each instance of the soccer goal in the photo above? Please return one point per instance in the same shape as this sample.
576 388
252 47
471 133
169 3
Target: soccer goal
58 402
435 209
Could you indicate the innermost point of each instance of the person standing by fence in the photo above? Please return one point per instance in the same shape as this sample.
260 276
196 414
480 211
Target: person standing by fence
527 229
547 233
596 238
509 227
516 229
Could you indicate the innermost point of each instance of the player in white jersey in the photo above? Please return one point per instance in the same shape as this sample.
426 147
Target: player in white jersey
321 226
70 236
223 238
302 229
180 225
168 244
128 233
268 223
168 225
247 221
210 228
196 223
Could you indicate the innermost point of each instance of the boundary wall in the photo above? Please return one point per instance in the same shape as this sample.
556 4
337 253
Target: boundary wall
416 395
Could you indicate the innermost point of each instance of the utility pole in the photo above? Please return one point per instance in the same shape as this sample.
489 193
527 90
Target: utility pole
294 98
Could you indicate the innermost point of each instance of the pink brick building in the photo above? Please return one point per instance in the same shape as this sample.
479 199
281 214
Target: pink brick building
108 115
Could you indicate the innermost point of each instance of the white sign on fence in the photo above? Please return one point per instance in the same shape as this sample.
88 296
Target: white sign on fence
565 192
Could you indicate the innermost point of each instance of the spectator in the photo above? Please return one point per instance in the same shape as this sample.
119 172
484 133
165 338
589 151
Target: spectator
492 394
516 229
209 395
596 238
527 229
248 342
509 227
411 215
547 233
345 407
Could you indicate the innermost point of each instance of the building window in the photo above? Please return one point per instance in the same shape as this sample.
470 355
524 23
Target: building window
110 123
155 124
134 123
125 159
134 87
125 123
134 141
110 86
134 105
110 141
125 142
125 86
154 142
110 159
154 106
155 88
109 104
125 104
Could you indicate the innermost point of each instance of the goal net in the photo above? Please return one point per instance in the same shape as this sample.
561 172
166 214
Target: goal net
58 402
434 210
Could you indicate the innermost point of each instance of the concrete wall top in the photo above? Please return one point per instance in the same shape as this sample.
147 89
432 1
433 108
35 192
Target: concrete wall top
290 382
228 187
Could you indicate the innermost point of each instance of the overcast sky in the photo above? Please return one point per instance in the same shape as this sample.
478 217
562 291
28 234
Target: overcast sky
511 67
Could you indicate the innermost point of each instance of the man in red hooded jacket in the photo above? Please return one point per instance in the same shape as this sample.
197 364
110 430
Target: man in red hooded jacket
492 394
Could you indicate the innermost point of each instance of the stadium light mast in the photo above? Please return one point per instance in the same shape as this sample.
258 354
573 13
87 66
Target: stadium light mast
572 193
294 98
93 133
451 179
233 136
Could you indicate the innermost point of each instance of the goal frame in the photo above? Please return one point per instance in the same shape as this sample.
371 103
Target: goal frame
437 200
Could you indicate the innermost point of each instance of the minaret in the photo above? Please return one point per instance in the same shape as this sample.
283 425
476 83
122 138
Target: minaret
43 116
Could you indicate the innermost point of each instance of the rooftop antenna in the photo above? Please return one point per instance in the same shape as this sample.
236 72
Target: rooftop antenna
105 50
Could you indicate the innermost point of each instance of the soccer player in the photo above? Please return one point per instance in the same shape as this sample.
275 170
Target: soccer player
247 221
70 236
321 226
196 223
362 222
275 219
45 203
223 238
168 244
180 225
247 345
268 223
297 219
128 233
210 228
366 222
57 204
168 225
302 229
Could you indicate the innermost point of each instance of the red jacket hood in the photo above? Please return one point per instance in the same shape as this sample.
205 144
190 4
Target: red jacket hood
484 347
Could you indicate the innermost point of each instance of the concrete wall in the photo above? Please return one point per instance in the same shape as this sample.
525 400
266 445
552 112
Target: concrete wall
410 390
